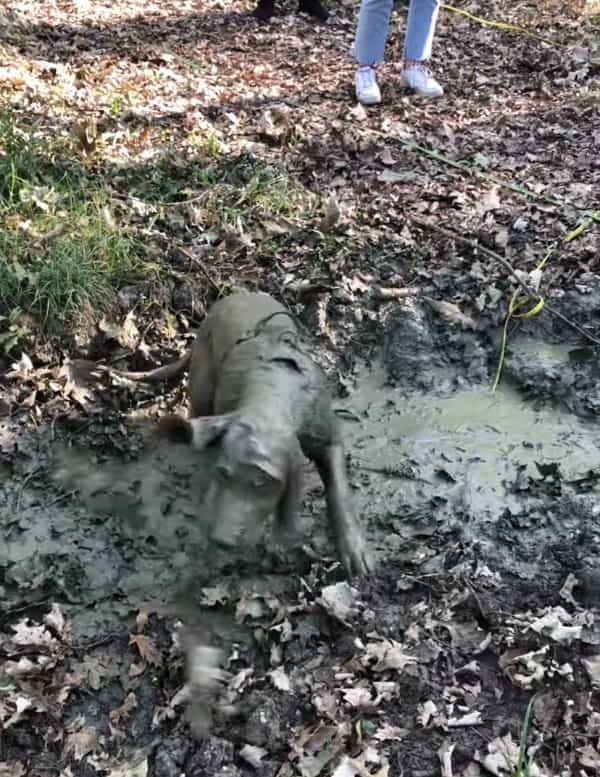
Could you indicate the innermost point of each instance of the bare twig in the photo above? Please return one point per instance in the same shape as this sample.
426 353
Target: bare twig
200 264
572 324
470 169
174 203
445 756
476 246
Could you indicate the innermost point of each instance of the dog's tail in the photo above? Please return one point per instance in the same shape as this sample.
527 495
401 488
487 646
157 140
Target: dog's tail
157 375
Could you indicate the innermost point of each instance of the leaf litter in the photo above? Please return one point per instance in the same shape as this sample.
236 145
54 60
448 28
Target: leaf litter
197 124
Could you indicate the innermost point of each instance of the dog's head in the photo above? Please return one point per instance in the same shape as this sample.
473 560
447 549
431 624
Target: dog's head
253 465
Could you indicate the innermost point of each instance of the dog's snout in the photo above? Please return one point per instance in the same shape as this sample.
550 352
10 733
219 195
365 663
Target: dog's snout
224 539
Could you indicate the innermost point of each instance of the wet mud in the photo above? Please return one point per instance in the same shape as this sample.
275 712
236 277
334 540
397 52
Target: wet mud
483 509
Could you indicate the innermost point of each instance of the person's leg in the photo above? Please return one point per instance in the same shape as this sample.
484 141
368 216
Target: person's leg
314 8
369 46
266 8
372 31
422 18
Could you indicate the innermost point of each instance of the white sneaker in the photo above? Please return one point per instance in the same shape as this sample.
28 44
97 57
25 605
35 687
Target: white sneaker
367 90
420 80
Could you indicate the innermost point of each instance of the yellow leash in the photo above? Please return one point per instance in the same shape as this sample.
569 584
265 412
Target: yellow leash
517 302
499 25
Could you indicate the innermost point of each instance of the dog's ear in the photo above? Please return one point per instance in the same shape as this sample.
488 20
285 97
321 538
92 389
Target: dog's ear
197 432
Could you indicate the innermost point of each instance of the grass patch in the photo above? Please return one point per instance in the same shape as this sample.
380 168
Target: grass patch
62 253
66 242
234 186
524 761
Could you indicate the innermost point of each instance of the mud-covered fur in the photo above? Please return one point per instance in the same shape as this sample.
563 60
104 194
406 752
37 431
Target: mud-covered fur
261 402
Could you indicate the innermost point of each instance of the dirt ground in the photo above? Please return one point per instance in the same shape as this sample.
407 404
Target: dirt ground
482 506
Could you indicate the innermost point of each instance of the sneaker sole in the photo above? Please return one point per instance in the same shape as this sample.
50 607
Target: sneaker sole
374 101
416 92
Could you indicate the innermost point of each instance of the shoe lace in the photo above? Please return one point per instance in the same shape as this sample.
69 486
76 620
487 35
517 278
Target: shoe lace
421 67
366 78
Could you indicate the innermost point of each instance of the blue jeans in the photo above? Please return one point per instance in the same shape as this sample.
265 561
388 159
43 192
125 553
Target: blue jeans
373 24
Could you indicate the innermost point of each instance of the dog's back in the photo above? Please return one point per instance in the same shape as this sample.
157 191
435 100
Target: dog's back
237 315
229 320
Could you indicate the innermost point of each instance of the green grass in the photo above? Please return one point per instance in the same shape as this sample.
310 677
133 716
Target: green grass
524 761
66 242
240 186
62 254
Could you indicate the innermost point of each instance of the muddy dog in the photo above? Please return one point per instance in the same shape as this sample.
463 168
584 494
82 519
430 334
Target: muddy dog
259 400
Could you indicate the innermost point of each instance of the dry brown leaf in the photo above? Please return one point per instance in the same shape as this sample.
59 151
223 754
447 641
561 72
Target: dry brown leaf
130 770
12 769
452 313
386 157
125 709
79 743
490 200
280 680
141 619
253 755
387 733
86 135
395 176
56 620
332 215
387 654
147 649
32 635
21 704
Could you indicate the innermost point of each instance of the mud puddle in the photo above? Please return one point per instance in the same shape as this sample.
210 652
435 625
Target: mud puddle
484 512
472 463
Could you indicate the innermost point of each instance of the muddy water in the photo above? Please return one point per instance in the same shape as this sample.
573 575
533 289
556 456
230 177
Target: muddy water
465 462
509 476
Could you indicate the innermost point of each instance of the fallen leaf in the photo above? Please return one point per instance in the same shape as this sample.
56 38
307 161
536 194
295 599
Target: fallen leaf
210 596
31 635
358 112
427 711
331 217
280 680
130 770
589 758
253 755
340 600
141 620
451 312
80 743
125 709
490 200
21 703
387 654
445 756
12 769
56 620
470 719
386 157
147 649
554 623
387 733
592 667
395 176
358 697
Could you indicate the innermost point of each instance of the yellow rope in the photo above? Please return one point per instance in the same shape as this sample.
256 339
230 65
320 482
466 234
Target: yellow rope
517 302
500 25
